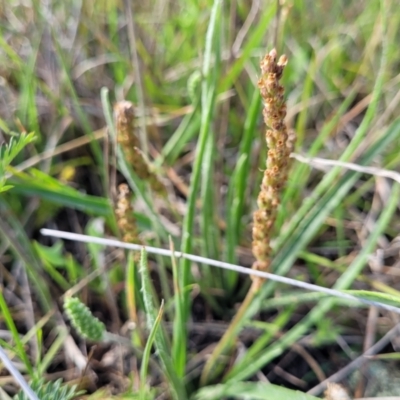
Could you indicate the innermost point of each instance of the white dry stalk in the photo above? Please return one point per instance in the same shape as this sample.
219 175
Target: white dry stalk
319 163
17 375
214 263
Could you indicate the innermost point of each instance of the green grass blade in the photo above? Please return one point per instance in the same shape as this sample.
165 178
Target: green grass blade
278 325
207 104
27 100
359 136
299 175
133 297
176 384
179 312
255 38
48 188
19 347
375 296
52 351
14 233
319 311
306 94
50 267
237 188
186 131
10 52
209 226
303 233
250 390
143 391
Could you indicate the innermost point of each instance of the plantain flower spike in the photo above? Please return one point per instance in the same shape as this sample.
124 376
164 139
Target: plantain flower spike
124 213
124 116
280 144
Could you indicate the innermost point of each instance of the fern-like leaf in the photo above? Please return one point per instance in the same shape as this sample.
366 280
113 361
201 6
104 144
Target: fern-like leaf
50 391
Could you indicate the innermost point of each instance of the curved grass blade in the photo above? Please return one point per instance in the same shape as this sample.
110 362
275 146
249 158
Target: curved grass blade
176 384
143 391
329 179
19 347
242 371
301 173
237 188
186 131
48 188
254 40
207 103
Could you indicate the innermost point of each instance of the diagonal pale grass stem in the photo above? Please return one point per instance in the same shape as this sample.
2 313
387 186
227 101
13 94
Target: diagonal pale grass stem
215 263
17 375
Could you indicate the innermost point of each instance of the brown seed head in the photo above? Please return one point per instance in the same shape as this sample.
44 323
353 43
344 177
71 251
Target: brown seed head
280 145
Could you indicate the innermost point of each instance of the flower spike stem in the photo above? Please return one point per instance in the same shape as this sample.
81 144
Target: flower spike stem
280 144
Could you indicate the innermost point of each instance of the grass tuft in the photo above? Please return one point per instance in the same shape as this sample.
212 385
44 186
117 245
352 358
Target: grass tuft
144 122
